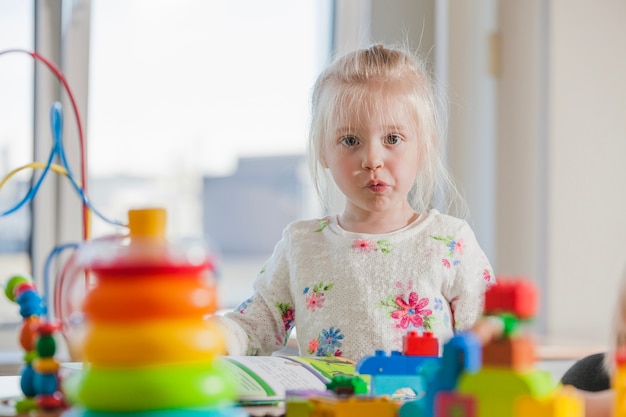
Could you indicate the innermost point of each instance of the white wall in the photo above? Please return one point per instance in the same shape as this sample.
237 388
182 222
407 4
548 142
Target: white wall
561 139
586 207
538 146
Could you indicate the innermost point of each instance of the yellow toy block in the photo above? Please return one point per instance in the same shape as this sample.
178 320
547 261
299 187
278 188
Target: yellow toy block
353 406
618 383
566 402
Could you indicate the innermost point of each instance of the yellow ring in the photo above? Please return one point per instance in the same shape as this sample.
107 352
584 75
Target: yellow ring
158 342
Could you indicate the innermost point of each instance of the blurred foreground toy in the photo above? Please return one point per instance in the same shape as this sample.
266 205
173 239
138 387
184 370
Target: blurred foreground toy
487 371
39 382
410 368
149 345
345 396
505 382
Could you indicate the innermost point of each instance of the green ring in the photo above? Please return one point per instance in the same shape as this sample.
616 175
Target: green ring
156 387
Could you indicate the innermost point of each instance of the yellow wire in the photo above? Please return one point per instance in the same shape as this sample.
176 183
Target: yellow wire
54 167
34 165
59 170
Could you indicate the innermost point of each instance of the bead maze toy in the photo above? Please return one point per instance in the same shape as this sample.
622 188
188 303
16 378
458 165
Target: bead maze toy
137 307
39 382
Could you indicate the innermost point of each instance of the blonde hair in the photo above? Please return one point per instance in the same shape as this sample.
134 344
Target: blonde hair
348 81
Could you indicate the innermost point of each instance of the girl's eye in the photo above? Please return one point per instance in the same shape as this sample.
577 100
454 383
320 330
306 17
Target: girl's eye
349 141
393 139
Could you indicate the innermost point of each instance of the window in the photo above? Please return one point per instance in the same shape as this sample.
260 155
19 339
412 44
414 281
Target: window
190 105
16 141
185 99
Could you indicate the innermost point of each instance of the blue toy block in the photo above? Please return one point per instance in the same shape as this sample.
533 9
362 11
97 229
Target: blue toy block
393 364
462 353
390 384
415 408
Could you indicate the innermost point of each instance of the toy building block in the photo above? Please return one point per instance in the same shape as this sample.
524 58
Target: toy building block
298 405
461 354
396 371
346 385
452 404
518 297
618 383
398 385
414 344
353 406
566 402
517 354
393 364
497 389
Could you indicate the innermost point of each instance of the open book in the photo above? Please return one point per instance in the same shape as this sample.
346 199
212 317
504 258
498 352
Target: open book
266 379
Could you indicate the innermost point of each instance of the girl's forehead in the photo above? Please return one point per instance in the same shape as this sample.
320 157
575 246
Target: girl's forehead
384 109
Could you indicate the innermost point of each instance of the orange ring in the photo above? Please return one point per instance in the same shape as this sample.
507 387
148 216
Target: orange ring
121 301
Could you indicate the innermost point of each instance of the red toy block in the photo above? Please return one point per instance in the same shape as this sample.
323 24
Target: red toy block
453 404
415 345
515 296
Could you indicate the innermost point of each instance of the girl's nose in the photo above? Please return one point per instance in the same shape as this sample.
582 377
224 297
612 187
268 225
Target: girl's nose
372 159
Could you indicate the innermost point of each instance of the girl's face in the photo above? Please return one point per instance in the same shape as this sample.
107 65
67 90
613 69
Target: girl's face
373 156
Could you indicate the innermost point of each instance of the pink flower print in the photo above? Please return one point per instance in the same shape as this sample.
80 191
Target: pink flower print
315 300
411 312
287 314
244 306
487 275
363 245
323 224
315 296
454 250
313 345
288 318
457 247
367 246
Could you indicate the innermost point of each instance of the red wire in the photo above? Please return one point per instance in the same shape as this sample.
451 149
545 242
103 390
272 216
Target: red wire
81 135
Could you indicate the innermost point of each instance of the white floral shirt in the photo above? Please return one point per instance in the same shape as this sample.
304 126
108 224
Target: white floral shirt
349 294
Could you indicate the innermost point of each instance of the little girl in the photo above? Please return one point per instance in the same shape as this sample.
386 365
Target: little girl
388 262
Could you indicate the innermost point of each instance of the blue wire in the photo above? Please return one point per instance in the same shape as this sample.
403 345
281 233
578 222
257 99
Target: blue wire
56 123
31 193
46 273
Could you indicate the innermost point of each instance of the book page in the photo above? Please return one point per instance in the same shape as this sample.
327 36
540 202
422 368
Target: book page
269 377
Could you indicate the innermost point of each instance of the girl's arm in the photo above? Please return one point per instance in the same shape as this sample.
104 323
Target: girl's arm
261 324
471 275
598 404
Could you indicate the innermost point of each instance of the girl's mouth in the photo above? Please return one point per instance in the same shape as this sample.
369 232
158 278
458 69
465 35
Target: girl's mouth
377 186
